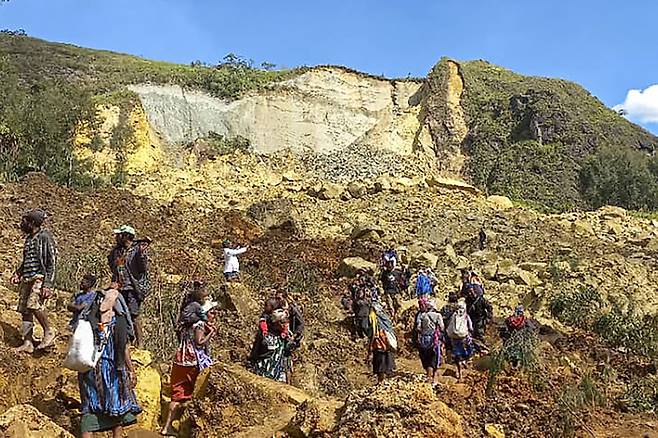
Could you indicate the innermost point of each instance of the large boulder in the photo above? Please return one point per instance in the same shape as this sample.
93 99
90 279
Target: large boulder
500 202
25 421
236 297
357 189
367 232
400 407
148 389
426 259
451 184
350 265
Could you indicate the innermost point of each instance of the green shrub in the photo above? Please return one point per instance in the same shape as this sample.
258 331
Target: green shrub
619 176
520 350
641 395
629 329
572 401
71 269
579 307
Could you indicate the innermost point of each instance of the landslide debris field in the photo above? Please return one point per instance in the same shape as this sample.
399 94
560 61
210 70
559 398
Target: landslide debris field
596 384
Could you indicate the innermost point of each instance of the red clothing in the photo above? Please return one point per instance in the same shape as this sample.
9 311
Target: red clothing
183 380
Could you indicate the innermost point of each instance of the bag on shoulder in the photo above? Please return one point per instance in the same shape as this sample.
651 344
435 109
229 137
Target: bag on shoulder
83 353
458 326
391 340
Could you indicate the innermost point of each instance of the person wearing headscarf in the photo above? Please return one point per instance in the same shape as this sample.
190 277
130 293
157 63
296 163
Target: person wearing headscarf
107 394
429 331
196 329
460 330
382 337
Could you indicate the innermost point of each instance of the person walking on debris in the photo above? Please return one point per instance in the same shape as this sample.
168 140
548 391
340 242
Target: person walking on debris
460 329
107 392
231 262
35 277
129 266
515 324
383 342
196 329
425 282
361 296
391 279
446 312
82 299
479 309
295 328
268 354
482 238
429 332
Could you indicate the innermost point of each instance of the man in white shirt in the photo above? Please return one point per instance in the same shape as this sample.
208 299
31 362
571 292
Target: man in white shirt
231 262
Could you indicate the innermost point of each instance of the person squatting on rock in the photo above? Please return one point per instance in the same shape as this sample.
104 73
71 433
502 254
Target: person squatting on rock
231 262
382 343
195 329
107 392
35 277
429 336
129 266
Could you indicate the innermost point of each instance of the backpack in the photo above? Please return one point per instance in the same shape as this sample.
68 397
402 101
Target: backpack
423 285
458 325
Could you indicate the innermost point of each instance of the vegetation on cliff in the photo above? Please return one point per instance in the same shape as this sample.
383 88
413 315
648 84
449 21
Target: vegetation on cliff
550 142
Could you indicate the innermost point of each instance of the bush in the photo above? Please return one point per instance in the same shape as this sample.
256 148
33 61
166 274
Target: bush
577 307
572 401
629 329
70 270
620 176
641 395
520 350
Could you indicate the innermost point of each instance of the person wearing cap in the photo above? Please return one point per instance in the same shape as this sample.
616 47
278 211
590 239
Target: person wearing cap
35 276
129 264
192 355
231 262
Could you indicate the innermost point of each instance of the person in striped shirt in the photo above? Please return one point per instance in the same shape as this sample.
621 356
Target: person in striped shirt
35 277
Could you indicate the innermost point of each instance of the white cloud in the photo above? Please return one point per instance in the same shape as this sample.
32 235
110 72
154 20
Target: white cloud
641 105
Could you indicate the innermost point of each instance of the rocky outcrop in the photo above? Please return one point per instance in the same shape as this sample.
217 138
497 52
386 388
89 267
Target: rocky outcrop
25 421
322 110
402 407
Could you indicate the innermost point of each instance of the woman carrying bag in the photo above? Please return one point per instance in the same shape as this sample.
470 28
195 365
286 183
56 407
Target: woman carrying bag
107 391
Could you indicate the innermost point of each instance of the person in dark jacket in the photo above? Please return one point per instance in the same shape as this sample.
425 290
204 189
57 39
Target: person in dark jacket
128 263
36 277
479 309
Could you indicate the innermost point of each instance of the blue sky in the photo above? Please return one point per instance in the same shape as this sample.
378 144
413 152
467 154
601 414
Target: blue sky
608 47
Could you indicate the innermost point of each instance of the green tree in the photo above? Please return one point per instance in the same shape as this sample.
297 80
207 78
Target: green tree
620 176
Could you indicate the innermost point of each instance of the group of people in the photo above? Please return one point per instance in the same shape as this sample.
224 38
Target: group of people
107 395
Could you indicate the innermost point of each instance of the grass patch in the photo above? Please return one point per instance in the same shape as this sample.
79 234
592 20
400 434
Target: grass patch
521 350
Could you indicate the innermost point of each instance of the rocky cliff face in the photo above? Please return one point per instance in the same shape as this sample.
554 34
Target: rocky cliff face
323 110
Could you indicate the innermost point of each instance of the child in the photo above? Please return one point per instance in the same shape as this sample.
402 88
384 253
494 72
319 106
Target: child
83 298
192 310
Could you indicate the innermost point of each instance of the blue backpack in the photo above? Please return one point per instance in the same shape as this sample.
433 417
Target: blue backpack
423 285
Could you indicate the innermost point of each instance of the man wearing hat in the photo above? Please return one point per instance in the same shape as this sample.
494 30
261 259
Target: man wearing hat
36 276
128 262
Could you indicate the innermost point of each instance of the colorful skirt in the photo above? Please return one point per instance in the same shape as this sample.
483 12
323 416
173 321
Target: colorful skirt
462 349
106 395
